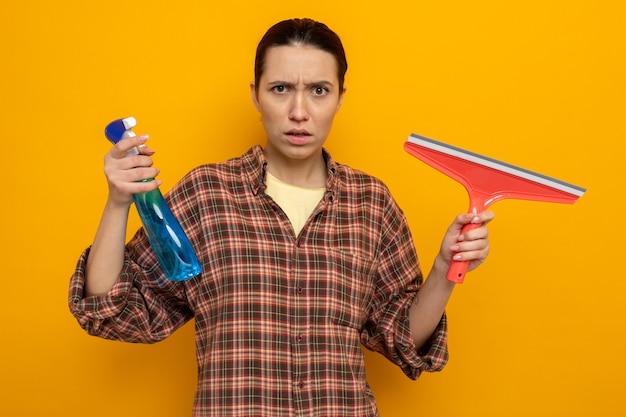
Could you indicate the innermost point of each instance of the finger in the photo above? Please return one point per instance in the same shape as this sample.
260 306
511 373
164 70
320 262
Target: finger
145 150
144 186
130 188
460 221
475 234
475 218
471 244
140 174
474 250
115 167
128 169
465 218
124 146
485 216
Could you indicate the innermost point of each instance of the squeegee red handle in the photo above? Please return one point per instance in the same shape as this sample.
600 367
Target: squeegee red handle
457 269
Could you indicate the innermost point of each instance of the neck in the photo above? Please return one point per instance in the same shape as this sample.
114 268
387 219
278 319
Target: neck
307 173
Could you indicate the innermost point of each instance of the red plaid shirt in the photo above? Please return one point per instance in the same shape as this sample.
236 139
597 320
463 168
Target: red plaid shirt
279 318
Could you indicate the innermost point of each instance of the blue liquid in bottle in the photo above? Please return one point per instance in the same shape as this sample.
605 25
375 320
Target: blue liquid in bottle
167 238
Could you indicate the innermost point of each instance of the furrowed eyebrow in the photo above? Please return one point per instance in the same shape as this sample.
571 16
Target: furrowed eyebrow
322 83
278 82
308 85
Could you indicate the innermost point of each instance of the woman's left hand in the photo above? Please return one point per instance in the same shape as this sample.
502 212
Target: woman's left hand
471 245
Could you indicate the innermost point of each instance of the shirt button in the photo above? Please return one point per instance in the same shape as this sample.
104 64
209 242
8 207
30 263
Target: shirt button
301 385
300 337
300 290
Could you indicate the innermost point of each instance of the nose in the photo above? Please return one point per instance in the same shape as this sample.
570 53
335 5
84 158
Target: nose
298 111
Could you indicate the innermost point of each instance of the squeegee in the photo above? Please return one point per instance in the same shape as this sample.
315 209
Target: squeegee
487 180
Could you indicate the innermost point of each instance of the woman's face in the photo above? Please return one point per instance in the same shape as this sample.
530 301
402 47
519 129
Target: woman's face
298 96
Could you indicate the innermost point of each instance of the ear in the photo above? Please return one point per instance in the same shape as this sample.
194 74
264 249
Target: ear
343 92
255 97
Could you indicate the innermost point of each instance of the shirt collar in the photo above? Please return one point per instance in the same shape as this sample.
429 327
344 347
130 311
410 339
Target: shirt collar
255 165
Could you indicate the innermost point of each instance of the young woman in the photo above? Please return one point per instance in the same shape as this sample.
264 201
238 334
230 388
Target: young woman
304 259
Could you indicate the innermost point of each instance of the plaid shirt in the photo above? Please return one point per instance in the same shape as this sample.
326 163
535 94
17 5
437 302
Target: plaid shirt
279 318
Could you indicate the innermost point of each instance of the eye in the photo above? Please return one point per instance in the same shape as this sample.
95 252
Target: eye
280 88
320 91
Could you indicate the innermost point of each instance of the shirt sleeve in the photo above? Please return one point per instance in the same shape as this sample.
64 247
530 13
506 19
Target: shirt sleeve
387 329
136 309
143 305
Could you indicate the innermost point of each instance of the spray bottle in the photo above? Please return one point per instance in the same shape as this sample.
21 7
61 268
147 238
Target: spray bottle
167 238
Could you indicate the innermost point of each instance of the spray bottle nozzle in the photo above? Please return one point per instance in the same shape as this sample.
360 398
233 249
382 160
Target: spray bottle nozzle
120 129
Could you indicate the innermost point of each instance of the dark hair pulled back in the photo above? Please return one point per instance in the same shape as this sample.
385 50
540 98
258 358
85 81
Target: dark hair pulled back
301 32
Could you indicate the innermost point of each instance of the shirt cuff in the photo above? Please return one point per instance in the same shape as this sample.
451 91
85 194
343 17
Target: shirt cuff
430 357
98 307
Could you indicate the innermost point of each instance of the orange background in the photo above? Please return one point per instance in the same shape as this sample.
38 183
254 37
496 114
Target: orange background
537 330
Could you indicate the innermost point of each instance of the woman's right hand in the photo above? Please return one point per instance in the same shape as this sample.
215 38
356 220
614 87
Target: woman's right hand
125 173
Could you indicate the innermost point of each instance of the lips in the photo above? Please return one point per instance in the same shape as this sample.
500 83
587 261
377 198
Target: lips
298 136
